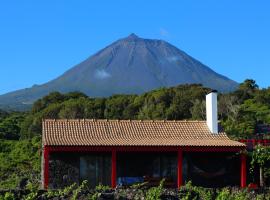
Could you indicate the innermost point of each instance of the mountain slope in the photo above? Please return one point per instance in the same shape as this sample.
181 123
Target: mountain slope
129 65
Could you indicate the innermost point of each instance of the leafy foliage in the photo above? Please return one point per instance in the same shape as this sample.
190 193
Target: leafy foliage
10 125
20 132
155 193
97 192
61 193
261 156
240 111
172 103
193 192
8 196
18 160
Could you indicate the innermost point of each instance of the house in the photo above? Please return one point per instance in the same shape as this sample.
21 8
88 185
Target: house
123 152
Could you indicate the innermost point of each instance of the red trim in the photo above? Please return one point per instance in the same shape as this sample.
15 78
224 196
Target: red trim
113 176
243 170
141 149
114 149
254 142
179 168
46 167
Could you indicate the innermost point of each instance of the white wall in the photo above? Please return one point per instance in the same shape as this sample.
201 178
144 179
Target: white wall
211 112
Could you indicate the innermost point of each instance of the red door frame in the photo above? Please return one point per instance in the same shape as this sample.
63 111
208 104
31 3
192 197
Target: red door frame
113 173
46 158
243 170
114 149
179 168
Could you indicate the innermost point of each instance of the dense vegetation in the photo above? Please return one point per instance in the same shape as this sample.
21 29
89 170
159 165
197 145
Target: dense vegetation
20 132
136 192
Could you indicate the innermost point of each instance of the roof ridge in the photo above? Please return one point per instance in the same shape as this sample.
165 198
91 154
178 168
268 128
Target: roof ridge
122 120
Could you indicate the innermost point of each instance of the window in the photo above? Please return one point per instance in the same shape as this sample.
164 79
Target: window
96 169
146 167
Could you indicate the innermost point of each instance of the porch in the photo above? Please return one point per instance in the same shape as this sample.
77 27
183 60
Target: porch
207 166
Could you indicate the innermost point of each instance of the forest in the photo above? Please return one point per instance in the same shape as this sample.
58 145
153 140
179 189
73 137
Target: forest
240 112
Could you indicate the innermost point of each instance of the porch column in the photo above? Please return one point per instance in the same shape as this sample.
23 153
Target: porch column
179 168
113 176
45 167
243 172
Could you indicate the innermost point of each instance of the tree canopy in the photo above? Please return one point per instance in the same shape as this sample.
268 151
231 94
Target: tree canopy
239 111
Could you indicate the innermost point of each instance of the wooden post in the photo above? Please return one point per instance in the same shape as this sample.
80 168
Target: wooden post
113 176
46 167
243 170
179 168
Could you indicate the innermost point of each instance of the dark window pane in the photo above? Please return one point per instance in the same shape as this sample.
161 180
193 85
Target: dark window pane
96 169
211 169
146 167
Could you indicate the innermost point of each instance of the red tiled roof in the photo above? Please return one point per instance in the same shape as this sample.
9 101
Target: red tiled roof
87 132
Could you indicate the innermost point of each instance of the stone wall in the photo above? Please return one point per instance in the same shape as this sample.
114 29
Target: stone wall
63 170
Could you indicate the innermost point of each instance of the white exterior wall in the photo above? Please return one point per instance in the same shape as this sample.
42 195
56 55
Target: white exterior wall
212 112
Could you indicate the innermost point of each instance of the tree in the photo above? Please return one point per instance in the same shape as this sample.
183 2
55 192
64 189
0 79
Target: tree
3 115
73 109
260 156
53 97
116 105
248 84
198 110
246 90
10 126
94 108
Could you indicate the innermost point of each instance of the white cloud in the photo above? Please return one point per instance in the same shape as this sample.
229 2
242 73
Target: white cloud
163 32
102 74
173 58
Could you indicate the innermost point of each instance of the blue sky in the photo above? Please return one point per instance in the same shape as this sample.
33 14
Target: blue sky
39 40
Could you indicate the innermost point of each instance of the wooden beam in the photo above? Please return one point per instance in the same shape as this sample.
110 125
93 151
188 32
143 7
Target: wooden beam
113 173
243 171
179 168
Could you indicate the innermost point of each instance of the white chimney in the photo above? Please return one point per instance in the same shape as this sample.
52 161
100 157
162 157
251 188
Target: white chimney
211 111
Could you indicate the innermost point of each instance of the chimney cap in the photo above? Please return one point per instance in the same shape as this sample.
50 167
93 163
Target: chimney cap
213 91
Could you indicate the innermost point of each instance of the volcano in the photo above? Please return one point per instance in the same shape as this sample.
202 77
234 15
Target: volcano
131 65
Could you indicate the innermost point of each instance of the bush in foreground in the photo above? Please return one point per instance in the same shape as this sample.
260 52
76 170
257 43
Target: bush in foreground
187 192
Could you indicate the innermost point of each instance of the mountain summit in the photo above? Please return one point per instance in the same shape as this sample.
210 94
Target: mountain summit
131 65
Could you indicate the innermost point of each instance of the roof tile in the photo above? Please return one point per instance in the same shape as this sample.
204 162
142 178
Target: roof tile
89 132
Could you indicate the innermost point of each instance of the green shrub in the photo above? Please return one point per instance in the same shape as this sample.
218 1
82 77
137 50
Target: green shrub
240 195
154 193
19 160
33 188
97 192
78 190
102 188
8 196
61 193
138 185
193 192
224 194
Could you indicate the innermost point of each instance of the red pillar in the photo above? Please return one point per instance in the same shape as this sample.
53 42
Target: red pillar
243 173
46 167
113 176
179 168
